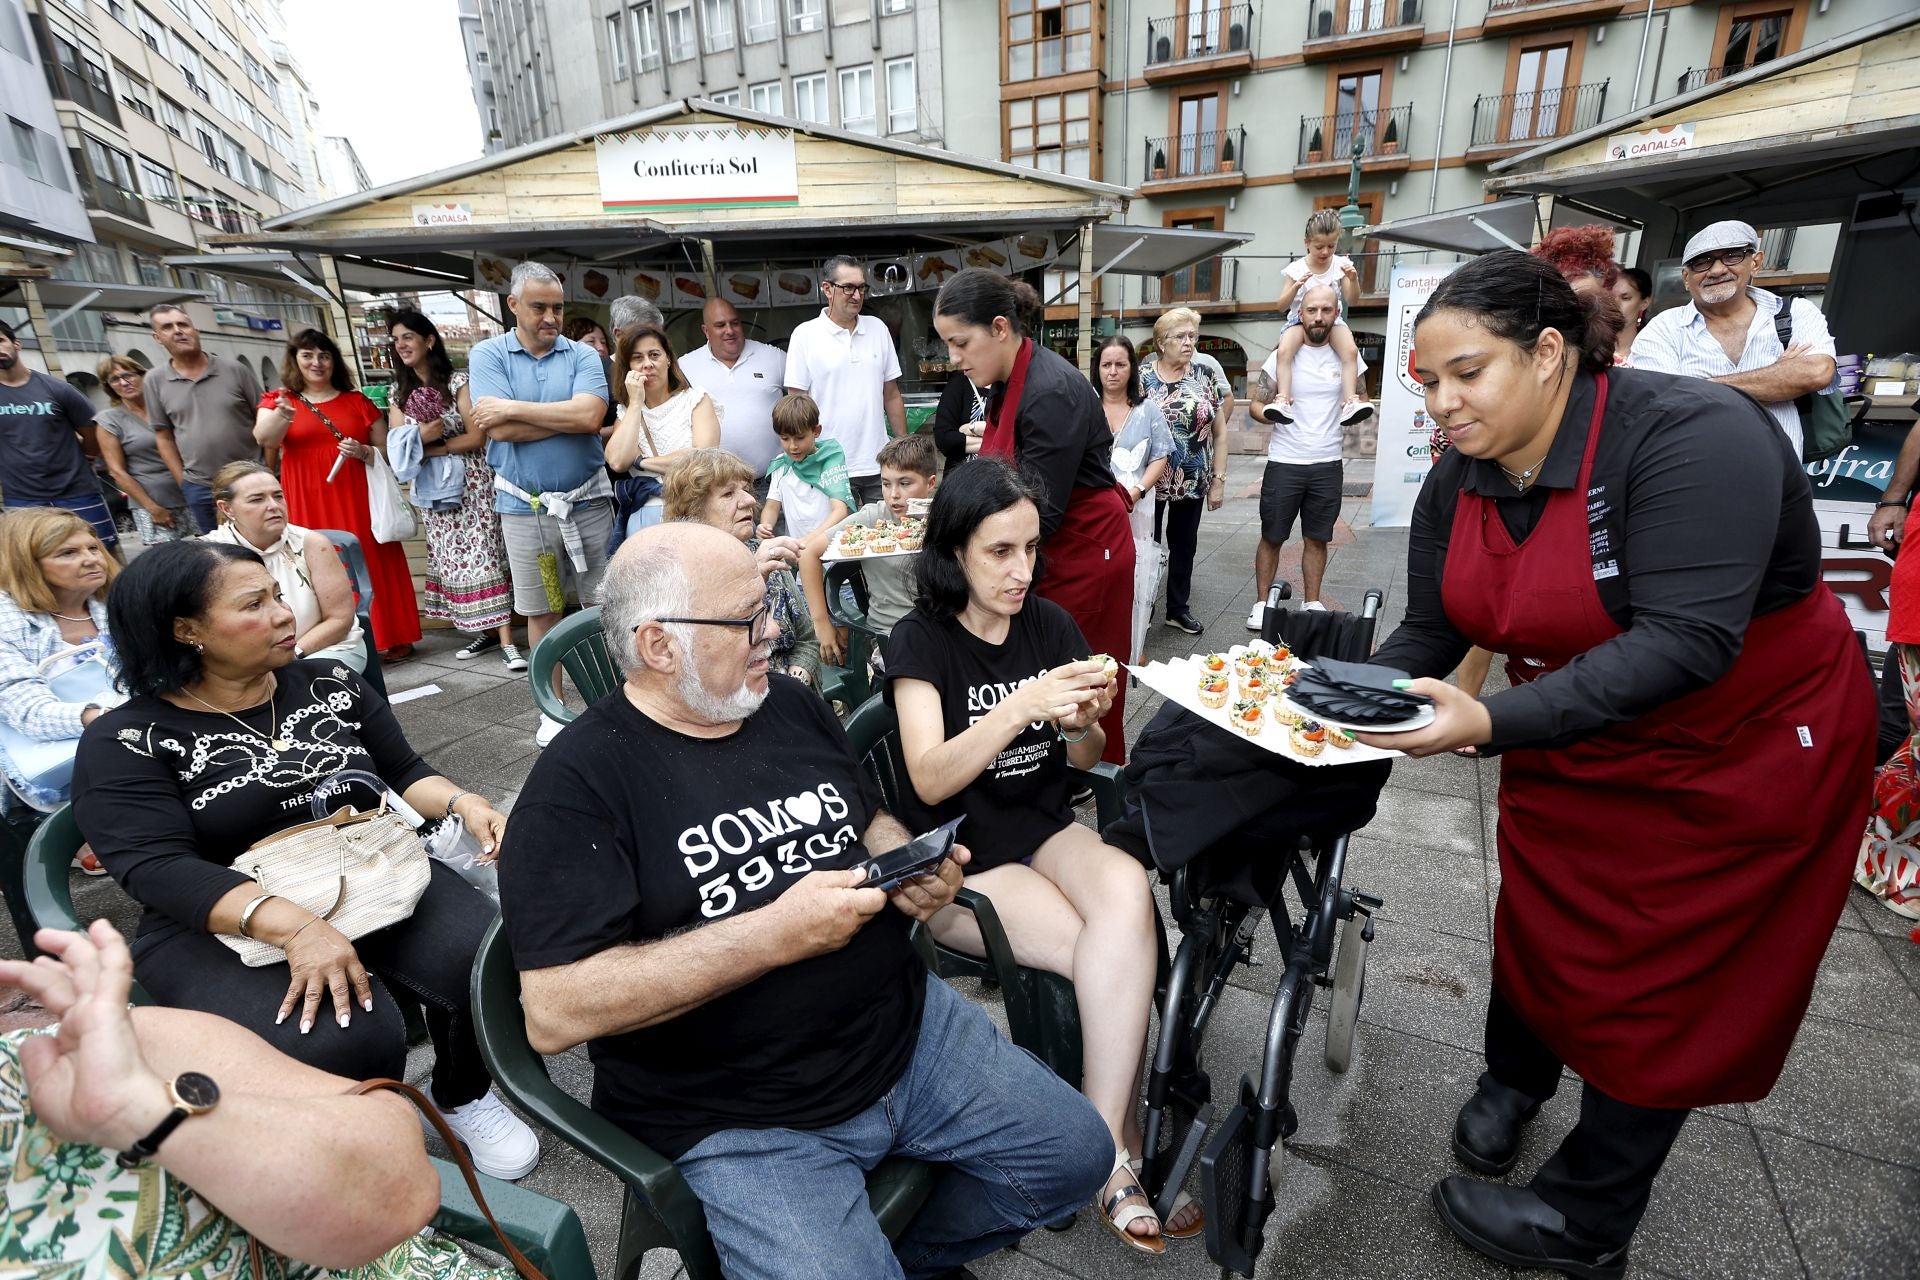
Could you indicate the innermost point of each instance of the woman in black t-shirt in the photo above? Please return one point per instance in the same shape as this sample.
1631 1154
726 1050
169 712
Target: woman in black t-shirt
225 739
996 698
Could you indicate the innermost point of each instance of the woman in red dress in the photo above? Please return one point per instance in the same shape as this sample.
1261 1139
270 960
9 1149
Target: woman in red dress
325 431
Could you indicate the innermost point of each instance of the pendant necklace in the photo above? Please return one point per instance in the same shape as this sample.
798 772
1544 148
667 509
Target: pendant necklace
1521 479
273 718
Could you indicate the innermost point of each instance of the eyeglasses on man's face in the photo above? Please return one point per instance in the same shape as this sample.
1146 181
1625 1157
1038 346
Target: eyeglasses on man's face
751 623
851 290
1728 258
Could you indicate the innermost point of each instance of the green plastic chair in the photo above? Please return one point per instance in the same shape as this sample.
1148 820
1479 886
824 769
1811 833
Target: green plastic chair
1043 1015
15 831
547 1231
578 645
659 1209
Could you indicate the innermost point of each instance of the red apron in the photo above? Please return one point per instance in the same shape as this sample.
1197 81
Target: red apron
1668 885
1089 556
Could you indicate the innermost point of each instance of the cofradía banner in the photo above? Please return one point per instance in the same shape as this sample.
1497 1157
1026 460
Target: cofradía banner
731 166
1406 449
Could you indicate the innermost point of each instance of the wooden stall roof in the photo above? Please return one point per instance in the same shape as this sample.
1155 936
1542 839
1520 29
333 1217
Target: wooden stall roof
548 193
1853 96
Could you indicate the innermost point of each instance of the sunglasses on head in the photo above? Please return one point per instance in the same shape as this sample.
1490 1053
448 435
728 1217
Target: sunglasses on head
1725 257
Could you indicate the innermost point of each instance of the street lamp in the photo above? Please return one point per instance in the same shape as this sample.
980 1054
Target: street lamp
1351 218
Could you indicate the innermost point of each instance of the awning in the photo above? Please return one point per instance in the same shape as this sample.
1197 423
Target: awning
359 274
64 297
1123 250
1482 228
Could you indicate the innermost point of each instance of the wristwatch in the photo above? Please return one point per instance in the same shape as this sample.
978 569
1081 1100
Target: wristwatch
192 1094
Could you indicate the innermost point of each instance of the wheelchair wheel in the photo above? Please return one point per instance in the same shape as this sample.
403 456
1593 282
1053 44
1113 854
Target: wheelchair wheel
1349 987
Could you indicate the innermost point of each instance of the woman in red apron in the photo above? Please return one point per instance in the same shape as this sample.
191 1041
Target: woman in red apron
1046 418
1645 547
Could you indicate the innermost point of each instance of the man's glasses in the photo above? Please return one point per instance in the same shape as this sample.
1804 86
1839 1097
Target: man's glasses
851 290
1728 258
751 622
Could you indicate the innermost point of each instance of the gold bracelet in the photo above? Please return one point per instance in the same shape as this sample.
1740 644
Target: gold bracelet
246 914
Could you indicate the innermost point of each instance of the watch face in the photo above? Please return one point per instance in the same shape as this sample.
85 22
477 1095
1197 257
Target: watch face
196 1091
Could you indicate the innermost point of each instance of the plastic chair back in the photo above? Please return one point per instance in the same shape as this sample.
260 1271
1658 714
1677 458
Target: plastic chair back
354 561
47 884
578 645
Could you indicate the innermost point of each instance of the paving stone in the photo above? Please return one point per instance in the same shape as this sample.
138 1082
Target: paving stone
1434 890
1850 1087
1713 1213
1427 820
1853 1218
1853 986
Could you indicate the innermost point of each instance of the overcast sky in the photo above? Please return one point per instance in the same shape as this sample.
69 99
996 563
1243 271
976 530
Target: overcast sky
391 75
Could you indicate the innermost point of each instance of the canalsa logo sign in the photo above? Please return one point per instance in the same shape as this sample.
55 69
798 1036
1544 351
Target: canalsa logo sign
697 167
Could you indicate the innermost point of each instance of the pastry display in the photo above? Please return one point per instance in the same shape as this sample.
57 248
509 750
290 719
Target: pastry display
853 540
1248 716
1032 246
1213 690
883 541
912 533
985 255
796 283
494 271
1254 687
1214 663
690 286
1339 737
647 286
1287 714
935 268
747 287
595 283
1309 738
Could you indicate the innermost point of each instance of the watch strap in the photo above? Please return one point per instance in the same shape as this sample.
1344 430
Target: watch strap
142 1151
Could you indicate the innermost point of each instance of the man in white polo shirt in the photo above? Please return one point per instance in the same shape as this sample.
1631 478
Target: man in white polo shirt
847 362
745 378
1304 475
1731 332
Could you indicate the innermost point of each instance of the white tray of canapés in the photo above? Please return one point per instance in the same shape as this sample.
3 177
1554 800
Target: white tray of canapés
862 542
1244 692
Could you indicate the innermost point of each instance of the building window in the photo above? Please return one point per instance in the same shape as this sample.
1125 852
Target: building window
158 183
806 15
680 34
1052 133
895 6
1048 38
154 34
1754 37
717 17
725 98
1356 106
151 271
903 106
135 92
768 99
1201 281
1539 88
856 100
207 138
810 99
646 36
26 149
763 20
617 47
82 81
172 117
1196 140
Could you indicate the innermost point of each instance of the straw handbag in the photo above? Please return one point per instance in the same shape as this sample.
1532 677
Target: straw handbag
357 871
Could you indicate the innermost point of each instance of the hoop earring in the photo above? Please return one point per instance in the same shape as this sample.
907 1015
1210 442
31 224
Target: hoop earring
198 647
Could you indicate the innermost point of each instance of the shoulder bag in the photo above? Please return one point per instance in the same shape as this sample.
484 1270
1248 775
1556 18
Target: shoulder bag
390 514
357 871
1825 425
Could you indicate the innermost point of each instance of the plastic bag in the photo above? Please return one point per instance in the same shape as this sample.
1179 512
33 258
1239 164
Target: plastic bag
550 579
453 844
392 515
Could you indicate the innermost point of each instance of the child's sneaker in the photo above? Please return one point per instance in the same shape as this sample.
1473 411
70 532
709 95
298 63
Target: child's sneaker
1357 410
1280 411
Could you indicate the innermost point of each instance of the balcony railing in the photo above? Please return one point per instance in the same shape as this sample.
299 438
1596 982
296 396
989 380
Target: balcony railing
1697 77
1330 139
1195 155
1211 280
1515 119
1339 19
103 196
1205 31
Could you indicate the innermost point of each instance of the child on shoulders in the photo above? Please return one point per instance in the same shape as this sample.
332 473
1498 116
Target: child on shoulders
1321 266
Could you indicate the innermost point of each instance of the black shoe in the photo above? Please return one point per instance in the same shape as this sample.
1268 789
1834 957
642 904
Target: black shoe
478 645
1486 1137
1185 622
1515 1226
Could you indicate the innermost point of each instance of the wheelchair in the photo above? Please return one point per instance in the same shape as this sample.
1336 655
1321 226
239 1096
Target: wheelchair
1219 899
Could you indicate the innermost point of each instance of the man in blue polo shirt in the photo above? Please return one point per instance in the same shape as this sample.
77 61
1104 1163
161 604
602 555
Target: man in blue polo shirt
539 398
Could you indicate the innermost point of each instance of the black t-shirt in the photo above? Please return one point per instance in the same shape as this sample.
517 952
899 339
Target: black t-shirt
1021 798
628 831
40 456
169 797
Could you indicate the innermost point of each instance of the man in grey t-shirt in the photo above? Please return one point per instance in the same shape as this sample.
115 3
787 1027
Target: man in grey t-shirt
201 407
42 422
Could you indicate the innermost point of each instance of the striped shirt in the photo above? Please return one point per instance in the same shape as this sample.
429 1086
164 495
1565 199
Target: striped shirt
1678 341
26 702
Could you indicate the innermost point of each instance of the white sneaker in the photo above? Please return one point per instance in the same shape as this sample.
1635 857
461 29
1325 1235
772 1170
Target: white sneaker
1258 616
499 1142
1313 606
510 655
548 731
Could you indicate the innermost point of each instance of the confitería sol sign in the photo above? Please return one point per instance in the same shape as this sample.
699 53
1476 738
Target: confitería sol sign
732 166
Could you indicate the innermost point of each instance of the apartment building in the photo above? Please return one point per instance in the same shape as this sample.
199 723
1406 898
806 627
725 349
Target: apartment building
473 39
179 124
880 67
1245 116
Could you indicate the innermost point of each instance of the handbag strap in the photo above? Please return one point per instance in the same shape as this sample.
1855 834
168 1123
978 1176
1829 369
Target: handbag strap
520 1261
319 413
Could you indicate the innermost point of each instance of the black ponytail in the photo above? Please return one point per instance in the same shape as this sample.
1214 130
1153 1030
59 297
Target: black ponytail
1516 296
977 295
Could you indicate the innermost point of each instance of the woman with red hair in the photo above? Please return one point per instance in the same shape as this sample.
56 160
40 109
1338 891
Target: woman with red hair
1584 256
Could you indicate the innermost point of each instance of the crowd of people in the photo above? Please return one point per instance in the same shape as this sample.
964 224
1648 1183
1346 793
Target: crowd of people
753 1006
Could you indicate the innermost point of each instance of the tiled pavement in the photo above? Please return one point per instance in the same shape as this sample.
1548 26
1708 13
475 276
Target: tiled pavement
1820 1180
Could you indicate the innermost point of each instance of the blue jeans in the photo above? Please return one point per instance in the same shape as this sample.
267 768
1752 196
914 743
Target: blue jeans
200 501
1020 1146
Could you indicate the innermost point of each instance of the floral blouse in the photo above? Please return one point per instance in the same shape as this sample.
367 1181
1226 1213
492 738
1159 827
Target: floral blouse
72 1212
1190 406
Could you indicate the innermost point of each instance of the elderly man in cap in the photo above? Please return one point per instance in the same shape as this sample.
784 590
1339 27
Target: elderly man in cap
1730 331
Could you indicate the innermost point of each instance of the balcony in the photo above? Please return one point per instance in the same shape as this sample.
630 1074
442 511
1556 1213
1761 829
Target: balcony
1342 28
1326 142
104 197
1699 77
1203 160
1508 17
1202 43
1208 283
1515 121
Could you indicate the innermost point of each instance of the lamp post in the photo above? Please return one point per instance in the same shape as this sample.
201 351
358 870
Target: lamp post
1351 218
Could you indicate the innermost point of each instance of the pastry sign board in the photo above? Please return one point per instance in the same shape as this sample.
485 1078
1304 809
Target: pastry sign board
719 166
443 215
